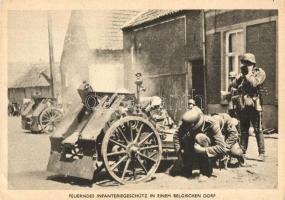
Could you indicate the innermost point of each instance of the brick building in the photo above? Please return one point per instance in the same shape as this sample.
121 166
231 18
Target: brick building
189 53
231 33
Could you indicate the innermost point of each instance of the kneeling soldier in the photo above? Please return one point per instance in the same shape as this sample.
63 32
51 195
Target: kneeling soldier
200 137
228 127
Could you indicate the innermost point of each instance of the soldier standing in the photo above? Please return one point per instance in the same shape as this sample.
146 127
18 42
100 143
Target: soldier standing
249 83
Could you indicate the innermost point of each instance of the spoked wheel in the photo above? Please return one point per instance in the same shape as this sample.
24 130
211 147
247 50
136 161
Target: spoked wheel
131 150
49 119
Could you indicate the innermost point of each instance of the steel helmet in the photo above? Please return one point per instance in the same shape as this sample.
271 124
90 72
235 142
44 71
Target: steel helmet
194 118
248 57
192 101
155 101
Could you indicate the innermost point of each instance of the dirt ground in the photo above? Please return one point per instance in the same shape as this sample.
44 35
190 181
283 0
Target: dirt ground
28 156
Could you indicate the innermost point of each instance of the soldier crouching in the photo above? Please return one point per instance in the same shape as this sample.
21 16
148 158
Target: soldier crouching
228 126
199 137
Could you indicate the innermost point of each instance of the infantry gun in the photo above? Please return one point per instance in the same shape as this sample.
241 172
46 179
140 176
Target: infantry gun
98 135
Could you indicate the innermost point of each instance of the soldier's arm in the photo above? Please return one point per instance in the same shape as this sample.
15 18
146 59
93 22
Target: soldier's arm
177 137
156 116
176 141
237 81
256 80
231 129
233 135
220 146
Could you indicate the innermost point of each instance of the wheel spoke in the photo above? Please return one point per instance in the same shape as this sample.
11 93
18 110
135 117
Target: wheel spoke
138 134
50 114
145 156
119 162
47 120
154 153
46 125
141 164
116 153
149 147
57 118
142 141
131 130
134 169
126 168
123 135
121 145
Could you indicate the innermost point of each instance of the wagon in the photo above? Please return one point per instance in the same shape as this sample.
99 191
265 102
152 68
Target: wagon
41 114
108 134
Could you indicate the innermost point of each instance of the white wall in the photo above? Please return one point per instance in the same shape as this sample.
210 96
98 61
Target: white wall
106 77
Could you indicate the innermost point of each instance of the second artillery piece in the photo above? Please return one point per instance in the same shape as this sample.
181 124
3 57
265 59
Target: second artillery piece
112 133
41 114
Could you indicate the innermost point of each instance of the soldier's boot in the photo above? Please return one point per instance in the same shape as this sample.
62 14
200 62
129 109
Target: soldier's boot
206 167
261 157
241 160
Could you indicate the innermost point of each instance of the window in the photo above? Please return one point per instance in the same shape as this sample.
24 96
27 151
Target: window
234 49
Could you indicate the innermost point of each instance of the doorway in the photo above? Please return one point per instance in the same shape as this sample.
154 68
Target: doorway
198 84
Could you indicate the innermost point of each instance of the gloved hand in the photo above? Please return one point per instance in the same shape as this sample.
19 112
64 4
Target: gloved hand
199 149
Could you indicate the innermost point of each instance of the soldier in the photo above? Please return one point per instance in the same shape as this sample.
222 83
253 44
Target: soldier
228 127
200 137
249 83
158 115
192 105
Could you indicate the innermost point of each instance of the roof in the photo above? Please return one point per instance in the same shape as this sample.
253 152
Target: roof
149 16
16 70
103 27
36 76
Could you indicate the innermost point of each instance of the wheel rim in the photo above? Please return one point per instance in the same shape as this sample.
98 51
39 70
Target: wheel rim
49 119
131 150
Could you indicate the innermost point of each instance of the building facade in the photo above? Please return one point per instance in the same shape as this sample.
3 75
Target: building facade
36 79
230 33
190 53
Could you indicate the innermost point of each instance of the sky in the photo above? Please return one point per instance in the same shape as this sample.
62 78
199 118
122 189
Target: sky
28 32
28 35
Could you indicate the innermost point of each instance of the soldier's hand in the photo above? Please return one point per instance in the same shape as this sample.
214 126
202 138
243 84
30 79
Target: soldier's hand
199 149
244 70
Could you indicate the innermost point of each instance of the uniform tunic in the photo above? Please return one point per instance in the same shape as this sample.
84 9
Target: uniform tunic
210 128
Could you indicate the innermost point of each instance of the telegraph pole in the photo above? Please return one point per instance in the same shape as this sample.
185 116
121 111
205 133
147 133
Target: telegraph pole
51 55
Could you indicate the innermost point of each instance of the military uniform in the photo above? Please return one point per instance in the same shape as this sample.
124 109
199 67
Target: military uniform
229 130
208 135
160 118
249 84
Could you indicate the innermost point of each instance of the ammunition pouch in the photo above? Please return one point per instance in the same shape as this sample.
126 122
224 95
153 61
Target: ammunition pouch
257 103
238 102
248 101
